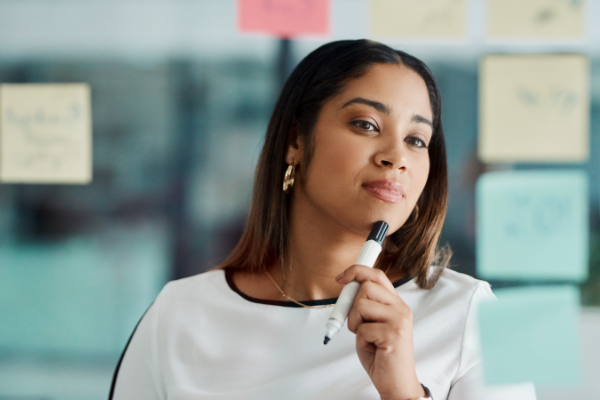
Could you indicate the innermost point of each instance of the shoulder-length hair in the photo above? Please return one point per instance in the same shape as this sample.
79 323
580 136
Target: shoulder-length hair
319 77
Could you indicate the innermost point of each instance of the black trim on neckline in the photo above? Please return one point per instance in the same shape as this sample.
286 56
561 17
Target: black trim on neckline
291 304
116 373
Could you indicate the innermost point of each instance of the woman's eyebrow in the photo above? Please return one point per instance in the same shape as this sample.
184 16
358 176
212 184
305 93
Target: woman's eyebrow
375 104
385 109
422 119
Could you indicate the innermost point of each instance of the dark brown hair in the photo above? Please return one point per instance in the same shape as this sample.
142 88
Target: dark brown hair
319 77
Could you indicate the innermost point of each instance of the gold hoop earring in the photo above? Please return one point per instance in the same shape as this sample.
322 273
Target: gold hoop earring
413 220
288 179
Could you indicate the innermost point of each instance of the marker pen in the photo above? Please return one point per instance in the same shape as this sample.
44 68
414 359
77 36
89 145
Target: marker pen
367 257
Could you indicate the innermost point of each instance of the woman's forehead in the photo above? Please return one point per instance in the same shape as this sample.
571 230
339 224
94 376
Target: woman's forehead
396 87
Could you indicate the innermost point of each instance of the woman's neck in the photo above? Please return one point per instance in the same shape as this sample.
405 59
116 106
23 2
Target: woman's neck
319 249
315 257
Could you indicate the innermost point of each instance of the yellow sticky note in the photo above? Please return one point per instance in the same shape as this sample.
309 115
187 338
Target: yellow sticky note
536 19
418 18
534 108
45 133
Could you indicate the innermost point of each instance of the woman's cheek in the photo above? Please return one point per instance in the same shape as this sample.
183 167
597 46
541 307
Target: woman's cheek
327 174
340 162
421 174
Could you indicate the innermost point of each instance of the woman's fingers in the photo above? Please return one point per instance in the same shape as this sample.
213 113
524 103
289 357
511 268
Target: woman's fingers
374 291
378 315
370 337
361 274
366 310
375 285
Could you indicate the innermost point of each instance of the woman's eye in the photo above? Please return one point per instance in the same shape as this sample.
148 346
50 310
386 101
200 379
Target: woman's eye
364 125
415 141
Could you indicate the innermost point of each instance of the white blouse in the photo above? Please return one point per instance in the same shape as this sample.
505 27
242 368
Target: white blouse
204 339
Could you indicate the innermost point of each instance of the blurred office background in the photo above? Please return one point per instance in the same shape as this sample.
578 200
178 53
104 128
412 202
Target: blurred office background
180 104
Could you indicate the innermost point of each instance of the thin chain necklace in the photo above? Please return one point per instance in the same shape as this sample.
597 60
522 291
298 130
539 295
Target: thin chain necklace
292 300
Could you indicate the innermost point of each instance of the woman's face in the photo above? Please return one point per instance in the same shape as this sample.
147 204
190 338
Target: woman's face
370 160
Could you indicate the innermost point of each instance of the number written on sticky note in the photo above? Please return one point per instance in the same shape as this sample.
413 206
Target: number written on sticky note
284 18
536 19
45 133
532 225
537 216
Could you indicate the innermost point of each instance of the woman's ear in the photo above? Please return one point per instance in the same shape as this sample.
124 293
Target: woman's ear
295 150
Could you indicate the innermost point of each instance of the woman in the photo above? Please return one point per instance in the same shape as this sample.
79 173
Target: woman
355 137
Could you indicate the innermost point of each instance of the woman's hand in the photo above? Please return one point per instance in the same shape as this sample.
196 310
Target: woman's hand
383 326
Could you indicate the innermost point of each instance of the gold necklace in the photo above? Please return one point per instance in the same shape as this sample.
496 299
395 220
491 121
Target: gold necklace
292 300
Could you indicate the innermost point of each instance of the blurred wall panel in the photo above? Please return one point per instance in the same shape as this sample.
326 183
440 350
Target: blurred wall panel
80 297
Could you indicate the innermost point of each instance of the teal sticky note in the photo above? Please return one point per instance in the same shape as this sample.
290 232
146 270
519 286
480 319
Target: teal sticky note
531 334
533 225
79 297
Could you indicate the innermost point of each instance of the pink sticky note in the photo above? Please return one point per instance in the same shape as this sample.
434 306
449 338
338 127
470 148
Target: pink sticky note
285 18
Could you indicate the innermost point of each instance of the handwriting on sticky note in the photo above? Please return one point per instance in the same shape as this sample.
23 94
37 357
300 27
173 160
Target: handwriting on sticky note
533 225
561 99
531 334
418 18
285 18
537 215
45 133
534 108
536 18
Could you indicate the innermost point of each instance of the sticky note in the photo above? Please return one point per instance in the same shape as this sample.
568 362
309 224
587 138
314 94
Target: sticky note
534 108
536 19
418 18
531 334
285 18
81 295
45 133
532 225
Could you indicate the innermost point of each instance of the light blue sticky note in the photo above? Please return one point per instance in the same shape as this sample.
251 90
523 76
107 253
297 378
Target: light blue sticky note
531 334
533 225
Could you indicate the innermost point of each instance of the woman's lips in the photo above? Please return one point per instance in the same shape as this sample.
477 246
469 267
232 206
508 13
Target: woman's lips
385 190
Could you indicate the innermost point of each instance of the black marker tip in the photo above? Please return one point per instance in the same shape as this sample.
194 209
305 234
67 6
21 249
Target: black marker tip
326 340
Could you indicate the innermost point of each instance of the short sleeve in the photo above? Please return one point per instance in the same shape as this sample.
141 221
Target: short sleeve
468 382
137 376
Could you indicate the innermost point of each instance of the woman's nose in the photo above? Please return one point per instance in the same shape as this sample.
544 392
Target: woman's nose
400 164
393 156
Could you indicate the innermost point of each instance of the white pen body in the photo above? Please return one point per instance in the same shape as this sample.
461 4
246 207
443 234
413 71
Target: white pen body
367 257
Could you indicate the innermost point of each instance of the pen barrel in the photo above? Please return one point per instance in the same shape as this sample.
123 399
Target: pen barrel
369 253
367 257
344 302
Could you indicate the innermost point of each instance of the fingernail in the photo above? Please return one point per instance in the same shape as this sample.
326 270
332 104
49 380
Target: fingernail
340 276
